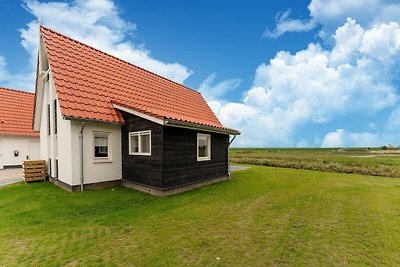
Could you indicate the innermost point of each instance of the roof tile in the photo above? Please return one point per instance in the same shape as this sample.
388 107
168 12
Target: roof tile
87 80
16 112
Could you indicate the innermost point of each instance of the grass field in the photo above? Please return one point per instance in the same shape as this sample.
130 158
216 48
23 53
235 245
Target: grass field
263 216
356 160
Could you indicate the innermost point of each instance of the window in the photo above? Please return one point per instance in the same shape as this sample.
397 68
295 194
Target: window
203 147
48 120
101 146
56 174
140 143
50 167
55 116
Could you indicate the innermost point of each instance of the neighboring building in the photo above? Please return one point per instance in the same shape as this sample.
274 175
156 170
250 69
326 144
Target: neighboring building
18 141
137 128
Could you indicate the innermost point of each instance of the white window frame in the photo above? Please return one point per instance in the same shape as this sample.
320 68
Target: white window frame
208 137
139 133
102 159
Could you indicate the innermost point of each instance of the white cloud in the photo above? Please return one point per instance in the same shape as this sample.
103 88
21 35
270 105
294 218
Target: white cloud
285 24
332 14
212 90
3 71
315 85
95 22
342 138
22 81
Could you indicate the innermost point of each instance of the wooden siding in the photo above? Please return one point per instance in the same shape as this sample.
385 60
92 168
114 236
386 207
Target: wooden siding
173 161
180 163
142 169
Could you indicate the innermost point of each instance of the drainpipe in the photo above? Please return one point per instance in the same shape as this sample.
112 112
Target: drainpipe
81 151
229 174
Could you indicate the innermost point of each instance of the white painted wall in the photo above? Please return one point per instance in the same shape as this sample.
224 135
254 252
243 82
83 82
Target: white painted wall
65 146
25 145
95 171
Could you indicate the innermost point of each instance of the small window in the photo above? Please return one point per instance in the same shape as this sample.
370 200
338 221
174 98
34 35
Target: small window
203 147
101 146
140 143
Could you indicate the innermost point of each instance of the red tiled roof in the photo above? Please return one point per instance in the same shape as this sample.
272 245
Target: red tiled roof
89 81
16 112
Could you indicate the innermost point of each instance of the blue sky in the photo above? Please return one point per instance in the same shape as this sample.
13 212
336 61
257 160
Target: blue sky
286 73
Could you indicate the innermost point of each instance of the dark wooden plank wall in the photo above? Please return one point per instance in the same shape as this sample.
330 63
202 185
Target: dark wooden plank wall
180 157
142 169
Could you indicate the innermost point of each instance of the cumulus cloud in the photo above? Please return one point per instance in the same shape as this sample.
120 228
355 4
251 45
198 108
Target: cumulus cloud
315 85
342 138
332 14
97 23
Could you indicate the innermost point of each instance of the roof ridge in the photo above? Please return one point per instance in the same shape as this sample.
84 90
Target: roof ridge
16 90
107 54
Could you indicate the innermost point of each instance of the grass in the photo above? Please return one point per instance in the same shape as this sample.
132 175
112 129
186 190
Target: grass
263 216
357 160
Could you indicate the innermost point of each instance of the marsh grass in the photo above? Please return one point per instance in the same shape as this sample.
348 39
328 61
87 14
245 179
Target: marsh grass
357 160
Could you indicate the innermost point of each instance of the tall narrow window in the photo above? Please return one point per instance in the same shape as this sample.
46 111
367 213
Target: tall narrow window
56 172
55 116
49 167
203 147
48 119
101 146
140 143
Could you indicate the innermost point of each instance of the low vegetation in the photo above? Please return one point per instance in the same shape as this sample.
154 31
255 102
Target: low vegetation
364 161
263 216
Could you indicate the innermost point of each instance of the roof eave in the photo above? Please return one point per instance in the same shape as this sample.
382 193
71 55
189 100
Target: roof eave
195 126
92 120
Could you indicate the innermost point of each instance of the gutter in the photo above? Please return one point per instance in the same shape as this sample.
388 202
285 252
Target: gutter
230 142
81 152
192 126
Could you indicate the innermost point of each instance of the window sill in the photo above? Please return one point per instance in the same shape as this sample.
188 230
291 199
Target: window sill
203 159
139 154
102 161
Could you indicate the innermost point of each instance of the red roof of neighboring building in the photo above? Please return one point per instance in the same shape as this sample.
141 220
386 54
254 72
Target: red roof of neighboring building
88 82
16 112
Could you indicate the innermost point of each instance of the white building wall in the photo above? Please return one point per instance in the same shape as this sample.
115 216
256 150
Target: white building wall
65 146
44 155
96 171
55 146
25 146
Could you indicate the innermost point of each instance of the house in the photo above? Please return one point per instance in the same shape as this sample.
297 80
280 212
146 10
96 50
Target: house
18 141
104 122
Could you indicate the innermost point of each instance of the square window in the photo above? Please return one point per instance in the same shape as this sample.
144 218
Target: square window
100 146
203 147
140 143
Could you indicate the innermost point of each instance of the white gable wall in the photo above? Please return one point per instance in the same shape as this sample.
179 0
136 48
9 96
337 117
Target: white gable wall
55 146
65 145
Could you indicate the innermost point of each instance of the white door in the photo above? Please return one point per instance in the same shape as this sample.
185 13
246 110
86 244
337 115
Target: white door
34 150
1 155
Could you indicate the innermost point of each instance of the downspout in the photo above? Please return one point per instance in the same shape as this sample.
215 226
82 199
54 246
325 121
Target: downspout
81 151
229 174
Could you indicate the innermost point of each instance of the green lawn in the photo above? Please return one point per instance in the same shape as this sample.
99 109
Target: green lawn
263 216
352 160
